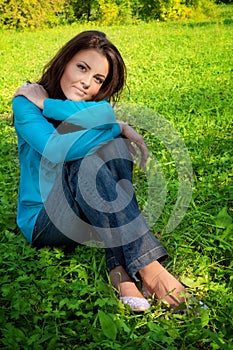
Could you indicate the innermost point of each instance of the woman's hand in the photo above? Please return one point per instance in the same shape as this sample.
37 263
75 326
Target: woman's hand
133 136
34 93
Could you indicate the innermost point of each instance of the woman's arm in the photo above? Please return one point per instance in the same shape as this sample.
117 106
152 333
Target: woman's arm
98 115
69 111
41 135
133 136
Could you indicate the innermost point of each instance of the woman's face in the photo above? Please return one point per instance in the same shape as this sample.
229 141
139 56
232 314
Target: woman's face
84 75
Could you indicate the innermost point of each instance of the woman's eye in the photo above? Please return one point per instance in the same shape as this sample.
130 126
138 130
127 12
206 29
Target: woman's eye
99 80
81 67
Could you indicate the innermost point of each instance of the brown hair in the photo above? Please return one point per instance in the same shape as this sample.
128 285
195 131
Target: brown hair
90 39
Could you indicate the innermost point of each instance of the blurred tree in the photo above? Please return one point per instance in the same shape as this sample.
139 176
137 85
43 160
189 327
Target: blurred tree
82 8
34 13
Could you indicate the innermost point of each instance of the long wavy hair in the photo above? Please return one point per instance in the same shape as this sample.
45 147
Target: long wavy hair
90 39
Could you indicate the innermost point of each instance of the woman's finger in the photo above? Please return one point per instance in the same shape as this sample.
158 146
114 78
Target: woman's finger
144 154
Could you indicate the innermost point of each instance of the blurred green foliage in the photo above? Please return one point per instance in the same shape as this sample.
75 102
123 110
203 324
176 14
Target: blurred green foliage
56 300
19 14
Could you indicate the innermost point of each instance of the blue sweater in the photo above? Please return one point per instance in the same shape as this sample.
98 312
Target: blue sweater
43 150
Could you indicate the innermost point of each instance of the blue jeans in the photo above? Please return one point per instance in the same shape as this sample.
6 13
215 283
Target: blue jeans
94 201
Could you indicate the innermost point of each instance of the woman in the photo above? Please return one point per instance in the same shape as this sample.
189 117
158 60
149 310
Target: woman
76 169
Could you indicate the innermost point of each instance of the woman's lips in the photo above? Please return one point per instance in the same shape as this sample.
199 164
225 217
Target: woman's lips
80 91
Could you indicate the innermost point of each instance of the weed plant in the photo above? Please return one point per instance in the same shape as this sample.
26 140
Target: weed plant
56 300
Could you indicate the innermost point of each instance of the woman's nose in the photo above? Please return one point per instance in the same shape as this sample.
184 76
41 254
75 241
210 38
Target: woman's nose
86 81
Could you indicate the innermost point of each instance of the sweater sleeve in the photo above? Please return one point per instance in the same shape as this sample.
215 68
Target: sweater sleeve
98 115
42 136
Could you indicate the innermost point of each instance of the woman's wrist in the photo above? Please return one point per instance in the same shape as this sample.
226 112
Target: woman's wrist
40 103
122 125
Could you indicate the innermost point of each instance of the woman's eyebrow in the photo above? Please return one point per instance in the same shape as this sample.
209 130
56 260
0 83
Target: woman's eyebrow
85 64
101 75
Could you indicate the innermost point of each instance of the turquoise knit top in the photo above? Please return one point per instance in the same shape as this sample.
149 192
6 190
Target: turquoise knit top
43 149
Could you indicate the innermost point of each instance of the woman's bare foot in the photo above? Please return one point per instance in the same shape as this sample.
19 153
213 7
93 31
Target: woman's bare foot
128 291
162 284
123 283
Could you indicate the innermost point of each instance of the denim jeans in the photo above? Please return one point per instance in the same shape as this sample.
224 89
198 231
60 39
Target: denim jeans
93 202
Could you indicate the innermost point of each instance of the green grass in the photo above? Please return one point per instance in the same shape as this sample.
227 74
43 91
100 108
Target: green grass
53 300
